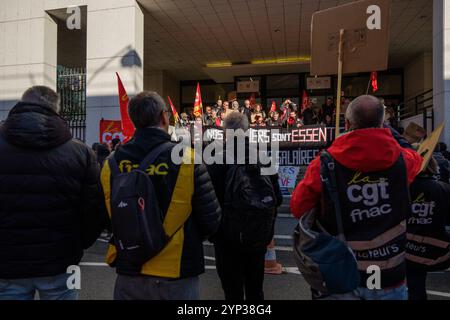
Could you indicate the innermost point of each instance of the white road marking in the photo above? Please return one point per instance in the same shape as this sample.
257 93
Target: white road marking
210 258
282 215
283 237
437 293
291 270
94 264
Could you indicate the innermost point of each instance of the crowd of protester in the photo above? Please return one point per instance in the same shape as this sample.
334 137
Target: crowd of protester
57 195
288 115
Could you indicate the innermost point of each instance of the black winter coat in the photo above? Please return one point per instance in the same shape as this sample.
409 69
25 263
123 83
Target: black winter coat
206 212
51 206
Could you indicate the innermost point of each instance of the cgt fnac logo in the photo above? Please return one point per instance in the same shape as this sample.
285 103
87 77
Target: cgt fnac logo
110 130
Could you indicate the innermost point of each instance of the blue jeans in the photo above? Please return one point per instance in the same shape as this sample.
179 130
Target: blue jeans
361 293
49 288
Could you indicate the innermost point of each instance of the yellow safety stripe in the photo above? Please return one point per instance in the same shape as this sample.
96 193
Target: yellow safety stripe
168 262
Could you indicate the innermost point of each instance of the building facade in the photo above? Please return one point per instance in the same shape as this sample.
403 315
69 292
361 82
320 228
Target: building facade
77 46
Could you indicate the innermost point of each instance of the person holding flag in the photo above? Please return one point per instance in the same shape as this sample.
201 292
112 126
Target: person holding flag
308 115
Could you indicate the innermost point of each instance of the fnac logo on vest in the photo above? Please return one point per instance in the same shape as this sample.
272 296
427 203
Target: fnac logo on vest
110 130
368 196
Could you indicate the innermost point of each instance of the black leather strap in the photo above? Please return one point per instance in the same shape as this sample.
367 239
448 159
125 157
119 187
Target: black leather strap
328 175
154 154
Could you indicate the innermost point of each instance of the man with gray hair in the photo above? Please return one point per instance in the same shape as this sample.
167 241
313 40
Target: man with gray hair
373 173
249 201
51 207
185 200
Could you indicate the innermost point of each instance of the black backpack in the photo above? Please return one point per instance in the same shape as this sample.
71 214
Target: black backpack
136 217
249 208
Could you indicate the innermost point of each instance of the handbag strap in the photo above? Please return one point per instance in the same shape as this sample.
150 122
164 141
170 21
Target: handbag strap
328 176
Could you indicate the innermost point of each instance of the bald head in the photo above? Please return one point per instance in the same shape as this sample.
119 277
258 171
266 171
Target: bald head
365 112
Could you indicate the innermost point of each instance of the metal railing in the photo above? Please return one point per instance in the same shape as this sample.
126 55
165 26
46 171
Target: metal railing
71 84
421 104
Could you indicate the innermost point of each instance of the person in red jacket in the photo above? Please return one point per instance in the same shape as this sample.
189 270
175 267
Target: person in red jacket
373 175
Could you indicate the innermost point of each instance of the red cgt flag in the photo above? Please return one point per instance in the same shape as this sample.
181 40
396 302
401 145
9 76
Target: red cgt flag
374 81
128 128
305 100
198 106
174 110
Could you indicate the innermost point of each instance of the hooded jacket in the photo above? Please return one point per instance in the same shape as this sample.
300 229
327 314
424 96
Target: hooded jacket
365 150
50 200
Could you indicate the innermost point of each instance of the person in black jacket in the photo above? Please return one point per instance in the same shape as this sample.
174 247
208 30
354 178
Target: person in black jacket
241 267
184 192
51 206
428 247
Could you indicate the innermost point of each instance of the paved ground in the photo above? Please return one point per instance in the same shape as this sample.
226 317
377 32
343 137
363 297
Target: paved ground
98 279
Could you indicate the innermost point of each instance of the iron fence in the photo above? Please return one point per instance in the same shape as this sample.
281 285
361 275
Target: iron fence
71 84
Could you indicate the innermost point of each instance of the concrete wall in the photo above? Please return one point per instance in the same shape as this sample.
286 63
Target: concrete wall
441 65
418 75
28 52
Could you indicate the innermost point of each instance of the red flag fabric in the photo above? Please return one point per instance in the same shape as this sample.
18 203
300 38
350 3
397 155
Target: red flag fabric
174 110
305 100
128 128
252 100
274 107
198 105
374 81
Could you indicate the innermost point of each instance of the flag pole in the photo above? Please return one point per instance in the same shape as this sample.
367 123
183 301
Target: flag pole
339 84
368 85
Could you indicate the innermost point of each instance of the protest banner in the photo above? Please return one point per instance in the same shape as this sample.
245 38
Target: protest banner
348 39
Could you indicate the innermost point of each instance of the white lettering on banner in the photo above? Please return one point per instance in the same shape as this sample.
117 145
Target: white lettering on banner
213 134
300 157
309 135
108 136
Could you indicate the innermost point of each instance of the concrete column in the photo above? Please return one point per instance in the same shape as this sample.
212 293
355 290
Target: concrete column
441 65
115 43
163 83
27 51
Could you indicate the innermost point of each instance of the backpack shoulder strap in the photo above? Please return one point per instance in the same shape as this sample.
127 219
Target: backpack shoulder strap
154 154
328 176
113 166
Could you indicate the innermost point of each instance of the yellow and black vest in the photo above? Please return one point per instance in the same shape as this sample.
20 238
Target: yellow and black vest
374 208
428 246
167 263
